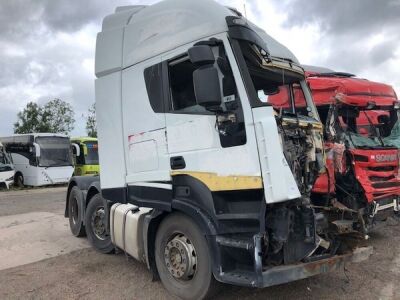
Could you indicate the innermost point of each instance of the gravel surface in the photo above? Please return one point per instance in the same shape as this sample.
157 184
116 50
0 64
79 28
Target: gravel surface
86 274
29 200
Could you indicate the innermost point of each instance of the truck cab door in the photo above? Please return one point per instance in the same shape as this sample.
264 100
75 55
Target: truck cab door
203 143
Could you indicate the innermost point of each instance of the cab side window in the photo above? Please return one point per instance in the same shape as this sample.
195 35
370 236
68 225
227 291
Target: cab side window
183 99
229 119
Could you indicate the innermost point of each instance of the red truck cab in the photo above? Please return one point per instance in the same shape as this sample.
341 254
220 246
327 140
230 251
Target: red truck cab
362 141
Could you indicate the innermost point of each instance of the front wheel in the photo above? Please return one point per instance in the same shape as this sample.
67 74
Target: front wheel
19 180
96 226
183 259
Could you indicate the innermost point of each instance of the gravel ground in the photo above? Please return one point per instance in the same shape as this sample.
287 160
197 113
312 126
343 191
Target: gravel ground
86 274
14 202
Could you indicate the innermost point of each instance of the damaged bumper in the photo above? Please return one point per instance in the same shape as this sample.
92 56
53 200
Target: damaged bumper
288 273
285 274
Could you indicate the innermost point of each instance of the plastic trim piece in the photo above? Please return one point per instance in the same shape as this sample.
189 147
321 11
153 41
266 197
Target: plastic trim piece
224 183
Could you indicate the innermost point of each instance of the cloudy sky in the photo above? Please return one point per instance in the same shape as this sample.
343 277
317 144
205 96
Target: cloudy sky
47 46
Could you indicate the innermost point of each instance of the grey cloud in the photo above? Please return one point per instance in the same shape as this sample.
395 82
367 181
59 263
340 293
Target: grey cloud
353 55
55 68
46 67
342 16
66 15
7 118
383 51
347 28
37 19
71 15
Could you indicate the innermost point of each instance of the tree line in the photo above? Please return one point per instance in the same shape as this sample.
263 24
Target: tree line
56 116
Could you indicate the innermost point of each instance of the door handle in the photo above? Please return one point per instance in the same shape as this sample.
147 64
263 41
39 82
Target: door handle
177 162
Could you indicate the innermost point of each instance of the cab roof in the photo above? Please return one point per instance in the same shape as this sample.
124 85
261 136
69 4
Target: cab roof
136 33
327 84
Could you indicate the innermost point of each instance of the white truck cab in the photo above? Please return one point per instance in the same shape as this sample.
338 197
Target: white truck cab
202 178
6 168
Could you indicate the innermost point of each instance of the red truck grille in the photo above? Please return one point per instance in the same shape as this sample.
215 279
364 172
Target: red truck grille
382 169
382 185
379 179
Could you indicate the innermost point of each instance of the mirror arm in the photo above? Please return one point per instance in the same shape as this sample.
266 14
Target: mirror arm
37 149
77 149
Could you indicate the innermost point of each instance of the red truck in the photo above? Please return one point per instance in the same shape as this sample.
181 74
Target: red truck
362 141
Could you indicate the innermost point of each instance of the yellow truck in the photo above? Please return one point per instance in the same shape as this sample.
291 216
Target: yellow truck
86 156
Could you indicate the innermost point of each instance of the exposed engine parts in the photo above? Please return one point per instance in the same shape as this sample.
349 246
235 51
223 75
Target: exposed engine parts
303 151
292 234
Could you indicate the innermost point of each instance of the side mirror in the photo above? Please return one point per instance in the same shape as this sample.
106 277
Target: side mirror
85 152
75 149
206 83
201 55
207 88
37 149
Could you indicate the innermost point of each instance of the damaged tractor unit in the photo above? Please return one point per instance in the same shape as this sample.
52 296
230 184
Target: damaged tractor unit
203 176
362 140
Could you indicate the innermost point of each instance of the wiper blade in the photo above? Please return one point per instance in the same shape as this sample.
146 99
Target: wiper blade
375 128
349 135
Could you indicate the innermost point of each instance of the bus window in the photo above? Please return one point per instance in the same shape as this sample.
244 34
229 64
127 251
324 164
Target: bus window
54 151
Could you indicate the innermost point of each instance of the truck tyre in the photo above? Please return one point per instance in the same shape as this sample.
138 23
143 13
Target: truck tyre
19 180
183 259
96 227
75 202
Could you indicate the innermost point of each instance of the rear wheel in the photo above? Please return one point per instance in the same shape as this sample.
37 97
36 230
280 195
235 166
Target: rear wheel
183 259
96 226
75 208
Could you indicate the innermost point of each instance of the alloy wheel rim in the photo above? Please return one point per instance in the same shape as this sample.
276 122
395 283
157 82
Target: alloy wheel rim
180 258
98 223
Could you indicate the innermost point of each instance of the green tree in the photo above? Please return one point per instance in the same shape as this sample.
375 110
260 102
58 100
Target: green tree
56 116
91 125
29 120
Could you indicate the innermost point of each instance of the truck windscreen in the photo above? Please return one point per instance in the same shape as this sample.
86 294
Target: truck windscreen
369 128
54 151
278 85
92 157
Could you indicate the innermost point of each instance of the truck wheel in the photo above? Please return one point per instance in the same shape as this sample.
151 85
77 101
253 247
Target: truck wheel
75 208
19 180
183 259
96 227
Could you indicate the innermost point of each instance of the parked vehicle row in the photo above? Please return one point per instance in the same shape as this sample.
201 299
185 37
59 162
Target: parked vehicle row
40 159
